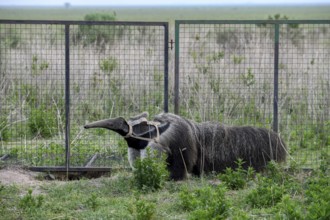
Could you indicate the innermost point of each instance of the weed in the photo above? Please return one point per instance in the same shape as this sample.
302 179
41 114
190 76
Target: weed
318 197
142 209
10 37
108 65
122 147
151 172
289 209
4 131
238 178
238 59
215 57
31 203
98 34
325 162
92 202
266 194
248 78
30 94
205 203
2 187
37 67
43 122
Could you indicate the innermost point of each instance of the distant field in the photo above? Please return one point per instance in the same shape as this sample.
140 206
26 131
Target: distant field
167 13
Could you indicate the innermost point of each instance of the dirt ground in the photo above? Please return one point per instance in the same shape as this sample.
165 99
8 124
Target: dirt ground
18 176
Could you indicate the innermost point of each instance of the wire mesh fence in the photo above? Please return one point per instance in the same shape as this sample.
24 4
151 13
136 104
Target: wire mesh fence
272 74
304 90
57 76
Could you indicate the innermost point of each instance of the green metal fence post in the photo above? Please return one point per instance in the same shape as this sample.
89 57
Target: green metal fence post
276 57
67 98
176 68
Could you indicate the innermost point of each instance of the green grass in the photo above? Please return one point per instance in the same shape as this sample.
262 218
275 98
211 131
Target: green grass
167 13
116 197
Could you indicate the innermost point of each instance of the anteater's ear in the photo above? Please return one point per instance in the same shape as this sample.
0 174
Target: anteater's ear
139 116
118 125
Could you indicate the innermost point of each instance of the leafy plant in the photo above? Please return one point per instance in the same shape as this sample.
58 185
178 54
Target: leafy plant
318 197
142 209
9 37
151 172
205 202
266 194
98 34
238 59
4 131
108 65
43 122
38 66
92 202
289 208
325 162
215 57
30 94
278 17
238 178
31 203
248 78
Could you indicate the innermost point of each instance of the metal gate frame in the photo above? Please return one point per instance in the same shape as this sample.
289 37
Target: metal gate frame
67 168
276 33
275 23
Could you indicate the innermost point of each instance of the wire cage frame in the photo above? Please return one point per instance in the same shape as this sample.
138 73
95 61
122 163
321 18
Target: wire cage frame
267 73
55 76
58 75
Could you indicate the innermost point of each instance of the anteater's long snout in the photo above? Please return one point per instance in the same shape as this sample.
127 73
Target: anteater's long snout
107 123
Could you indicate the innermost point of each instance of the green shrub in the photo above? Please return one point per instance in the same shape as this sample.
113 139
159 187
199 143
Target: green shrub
4 132
142 209
283 177
150 173
10 38
205 202
275 172
325 162
238 178
92 202
38 66
43 122
30 94
31 203
290 209
279 17
108 65
248 78
98 34
318 197
267 193
238 59
122 147
50 154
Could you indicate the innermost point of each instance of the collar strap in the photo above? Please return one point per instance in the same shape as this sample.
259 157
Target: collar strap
151 123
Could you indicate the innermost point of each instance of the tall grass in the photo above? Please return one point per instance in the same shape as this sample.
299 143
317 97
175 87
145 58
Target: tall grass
237 86
226 74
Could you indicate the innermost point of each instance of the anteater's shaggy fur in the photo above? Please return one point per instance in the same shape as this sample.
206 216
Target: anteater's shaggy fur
198 147
209 146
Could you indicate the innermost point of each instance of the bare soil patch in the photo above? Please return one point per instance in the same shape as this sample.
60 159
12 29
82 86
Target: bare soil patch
18 176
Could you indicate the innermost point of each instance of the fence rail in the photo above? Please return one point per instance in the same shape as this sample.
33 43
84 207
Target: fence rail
57 75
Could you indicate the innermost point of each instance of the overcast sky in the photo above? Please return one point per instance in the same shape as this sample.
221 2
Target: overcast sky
155 2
